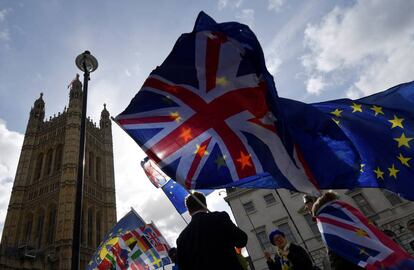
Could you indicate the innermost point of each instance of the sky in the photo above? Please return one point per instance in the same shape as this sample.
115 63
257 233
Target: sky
316 50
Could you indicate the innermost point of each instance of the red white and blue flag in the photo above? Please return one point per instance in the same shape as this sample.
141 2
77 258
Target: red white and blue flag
349 234
208 117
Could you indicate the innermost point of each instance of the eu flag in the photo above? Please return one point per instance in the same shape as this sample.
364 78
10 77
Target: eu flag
177 194
381 127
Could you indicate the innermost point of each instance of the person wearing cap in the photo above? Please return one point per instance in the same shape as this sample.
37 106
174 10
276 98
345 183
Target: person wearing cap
289 256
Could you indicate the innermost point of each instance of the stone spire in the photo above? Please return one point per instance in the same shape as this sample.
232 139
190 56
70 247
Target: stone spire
75 93
38 110
105 121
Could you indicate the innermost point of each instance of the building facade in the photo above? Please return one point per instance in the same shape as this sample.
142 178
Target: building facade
258 212
38 229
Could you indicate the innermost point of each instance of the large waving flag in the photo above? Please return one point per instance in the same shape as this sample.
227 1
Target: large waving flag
158 241
126 247
381 127
209 117
352 236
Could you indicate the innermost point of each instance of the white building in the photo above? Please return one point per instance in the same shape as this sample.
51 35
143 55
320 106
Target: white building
259 211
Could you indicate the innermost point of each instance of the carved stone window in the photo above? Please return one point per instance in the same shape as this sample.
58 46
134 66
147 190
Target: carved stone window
39 164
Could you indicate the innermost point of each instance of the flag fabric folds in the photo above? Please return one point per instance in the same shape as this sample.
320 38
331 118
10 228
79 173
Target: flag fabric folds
210 117
352 236
381 127
154 174
176 194
158 241
126 247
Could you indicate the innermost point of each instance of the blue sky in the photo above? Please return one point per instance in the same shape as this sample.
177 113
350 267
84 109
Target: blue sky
316 50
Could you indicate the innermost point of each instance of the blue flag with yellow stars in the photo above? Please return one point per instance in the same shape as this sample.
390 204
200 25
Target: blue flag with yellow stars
177 194
381 127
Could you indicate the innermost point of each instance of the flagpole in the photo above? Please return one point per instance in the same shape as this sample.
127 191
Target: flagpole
294 224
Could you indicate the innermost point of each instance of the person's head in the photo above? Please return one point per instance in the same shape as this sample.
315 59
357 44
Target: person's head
172 253
309 200
322 200
278 238
193 205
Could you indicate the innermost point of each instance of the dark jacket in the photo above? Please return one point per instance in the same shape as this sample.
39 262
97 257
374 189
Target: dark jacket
339 263
298 258
208 242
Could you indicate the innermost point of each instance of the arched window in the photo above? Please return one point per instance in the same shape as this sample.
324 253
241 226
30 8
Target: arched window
48 164
90 227
91 167
51 228
98 169
28 228
39 164
58 157
39 227
98 228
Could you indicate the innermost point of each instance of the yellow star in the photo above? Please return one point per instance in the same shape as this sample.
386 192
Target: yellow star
396 122
404 160
201 150
337 112
176 116
362 251
220 161
377 110
379 173
244 160
393 171
403 141
222 81
335 120
362 167
356 107
361 232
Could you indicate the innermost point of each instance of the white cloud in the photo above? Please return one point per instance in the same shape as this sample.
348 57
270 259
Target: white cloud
274 4
10 145
3 14
315 85
246 16
229 3
4 35
273 63
373 38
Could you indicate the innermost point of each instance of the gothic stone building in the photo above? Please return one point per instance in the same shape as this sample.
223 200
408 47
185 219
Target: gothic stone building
260 211
37 232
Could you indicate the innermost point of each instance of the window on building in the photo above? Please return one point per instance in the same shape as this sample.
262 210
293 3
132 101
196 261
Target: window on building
91 161
39 228
90 227
52 225
39 164
28 229
249 207
269 199
391 197
98 169
98 228
48 164
363 204
285 228
312 224
58 157
263 238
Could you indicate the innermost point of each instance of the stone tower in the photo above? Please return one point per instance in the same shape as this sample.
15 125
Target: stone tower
37 232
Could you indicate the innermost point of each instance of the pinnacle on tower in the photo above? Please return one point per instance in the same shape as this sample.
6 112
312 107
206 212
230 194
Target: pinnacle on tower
38 110
105 121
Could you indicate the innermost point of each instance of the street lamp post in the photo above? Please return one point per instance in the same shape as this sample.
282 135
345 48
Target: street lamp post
87 63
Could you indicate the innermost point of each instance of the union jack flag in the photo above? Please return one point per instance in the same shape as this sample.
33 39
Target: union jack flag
352 236
207 115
